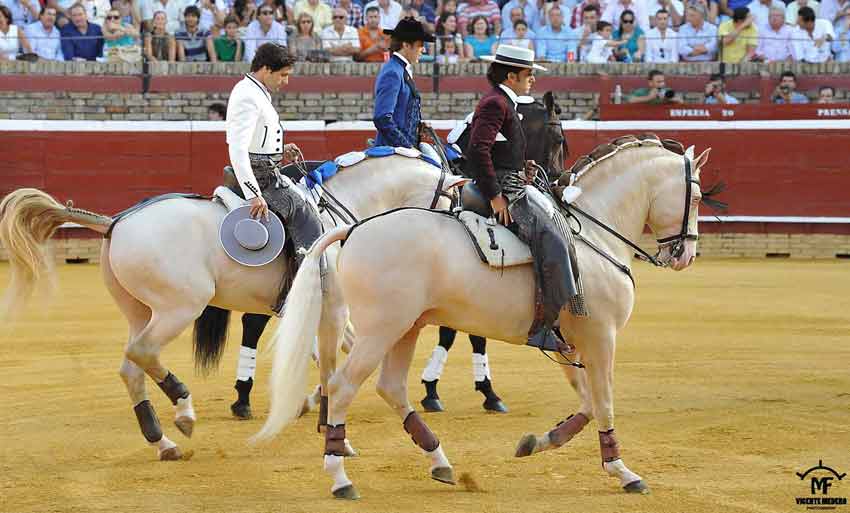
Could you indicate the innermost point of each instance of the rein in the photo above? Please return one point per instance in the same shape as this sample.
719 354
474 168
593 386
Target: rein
445 170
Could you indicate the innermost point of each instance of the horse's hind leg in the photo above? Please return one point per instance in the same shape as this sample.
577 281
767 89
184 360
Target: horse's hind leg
392 387
564 431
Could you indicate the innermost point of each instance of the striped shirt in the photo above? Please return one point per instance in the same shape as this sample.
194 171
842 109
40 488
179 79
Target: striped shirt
194 45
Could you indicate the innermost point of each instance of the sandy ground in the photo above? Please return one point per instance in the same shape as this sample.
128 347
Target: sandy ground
731 377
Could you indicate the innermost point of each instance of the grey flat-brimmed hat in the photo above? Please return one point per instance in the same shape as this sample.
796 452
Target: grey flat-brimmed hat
251 242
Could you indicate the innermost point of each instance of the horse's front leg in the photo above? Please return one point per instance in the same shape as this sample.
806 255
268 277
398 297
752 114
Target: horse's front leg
565 430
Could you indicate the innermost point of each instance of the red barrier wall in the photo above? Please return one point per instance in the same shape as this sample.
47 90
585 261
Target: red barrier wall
770 172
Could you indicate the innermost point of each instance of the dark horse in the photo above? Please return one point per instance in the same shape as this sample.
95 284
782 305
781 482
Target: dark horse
546 145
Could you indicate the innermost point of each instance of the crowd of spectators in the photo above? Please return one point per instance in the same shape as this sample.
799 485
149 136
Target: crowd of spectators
594 31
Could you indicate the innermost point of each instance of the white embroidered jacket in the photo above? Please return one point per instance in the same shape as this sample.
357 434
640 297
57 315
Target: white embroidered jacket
253 126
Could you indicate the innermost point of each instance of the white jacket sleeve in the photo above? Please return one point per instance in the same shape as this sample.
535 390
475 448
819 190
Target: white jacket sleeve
241 123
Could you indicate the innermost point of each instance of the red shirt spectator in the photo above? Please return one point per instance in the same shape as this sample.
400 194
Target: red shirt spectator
487 8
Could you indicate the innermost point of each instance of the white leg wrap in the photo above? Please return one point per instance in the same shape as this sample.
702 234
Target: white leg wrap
438 458
164 444
480 367
247 364
434 368
618 469
334 467
184 408
349 450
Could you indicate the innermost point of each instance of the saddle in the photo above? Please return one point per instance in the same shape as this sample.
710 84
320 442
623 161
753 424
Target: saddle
496 245
290 170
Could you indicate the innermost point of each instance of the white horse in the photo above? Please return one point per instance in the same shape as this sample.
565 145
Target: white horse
163 265
393 263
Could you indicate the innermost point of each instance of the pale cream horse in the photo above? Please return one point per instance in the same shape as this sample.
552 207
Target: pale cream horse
396 279
163 265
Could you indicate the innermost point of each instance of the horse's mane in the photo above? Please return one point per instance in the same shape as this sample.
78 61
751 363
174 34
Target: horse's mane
607 150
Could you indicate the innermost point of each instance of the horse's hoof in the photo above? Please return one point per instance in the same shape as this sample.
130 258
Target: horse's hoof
526 446
638 486
172 454
432 405
495 405
346 492
241 411
305 409
444 475
186 425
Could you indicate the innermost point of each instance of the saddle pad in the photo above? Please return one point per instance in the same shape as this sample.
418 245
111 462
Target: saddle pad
499 245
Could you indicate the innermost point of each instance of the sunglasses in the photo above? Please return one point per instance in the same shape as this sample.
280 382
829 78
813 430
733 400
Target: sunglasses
305 22
337 17
113 17
628 21
266 12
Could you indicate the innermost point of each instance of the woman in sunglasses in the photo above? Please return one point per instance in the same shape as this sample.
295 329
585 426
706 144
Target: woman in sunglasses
120 39
629 31
305 42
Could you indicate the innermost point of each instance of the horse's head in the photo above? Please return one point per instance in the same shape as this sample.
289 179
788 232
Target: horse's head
673 211
545 138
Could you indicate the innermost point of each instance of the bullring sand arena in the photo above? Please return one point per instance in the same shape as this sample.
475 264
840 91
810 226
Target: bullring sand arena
730 379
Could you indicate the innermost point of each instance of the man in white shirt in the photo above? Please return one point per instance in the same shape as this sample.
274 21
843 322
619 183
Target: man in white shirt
213 13
390 12
661 41
615 9
813 37
775 39
263 30
794 7
44 37
760 9
675 11
529 13
339 39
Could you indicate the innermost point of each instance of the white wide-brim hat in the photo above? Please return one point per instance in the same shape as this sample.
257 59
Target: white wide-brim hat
513 56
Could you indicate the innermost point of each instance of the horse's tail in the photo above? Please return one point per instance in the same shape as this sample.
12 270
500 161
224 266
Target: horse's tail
293 338
209 337
28 218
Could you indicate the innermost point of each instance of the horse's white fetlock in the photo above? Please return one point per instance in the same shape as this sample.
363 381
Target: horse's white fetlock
334 466
184 408
619 470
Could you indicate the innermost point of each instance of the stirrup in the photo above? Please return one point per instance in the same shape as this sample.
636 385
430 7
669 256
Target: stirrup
550 339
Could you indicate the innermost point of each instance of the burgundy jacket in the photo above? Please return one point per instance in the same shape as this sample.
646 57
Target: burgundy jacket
489 160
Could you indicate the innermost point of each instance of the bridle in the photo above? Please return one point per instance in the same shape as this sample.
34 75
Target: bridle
675 243
445 171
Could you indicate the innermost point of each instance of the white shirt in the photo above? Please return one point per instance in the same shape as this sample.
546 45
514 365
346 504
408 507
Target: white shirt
173 12
47 45
252 125
9 42
255 37
599 50
653 6
804 44
207 16
390 17
761 12
661 50
332 39
407 67
512 95
793 7
615 9
96 10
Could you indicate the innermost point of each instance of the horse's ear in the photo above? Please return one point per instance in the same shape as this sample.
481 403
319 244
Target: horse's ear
454 181
702 159
549 101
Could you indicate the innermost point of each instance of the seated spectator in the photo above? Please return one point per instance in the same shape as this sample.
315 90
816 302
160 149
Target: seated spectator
675 11
246 12
555 42
715 91
447 7
697 39
389 11
448 52
481 41
508 31
447 29
727 8
656 92
228 47
813 38
520 36
602 44
21 12
305 43
129 12
760 10
841 45
583 35
263 30
427 15
81 40
577 13
43 36
120 40
826 94
281 12
194 44
12 37
173 10
832 10
212 13
217 112
793 8
471 10
355 12
631 36
319 10
159 44
96 10
775 44
786 91
615 8
738 37
661 42
339 39
527 10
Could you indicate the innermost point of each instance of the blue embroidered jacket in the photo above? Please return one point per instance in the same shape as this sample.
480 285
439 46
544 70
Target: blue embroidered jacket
397 107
